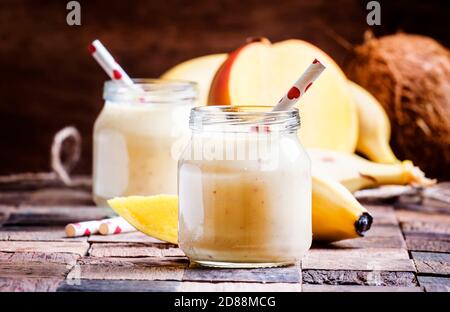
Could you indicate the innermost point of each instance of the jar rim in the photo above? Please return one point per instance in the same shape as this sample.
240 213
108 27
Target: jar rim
242 116
149 90
240 110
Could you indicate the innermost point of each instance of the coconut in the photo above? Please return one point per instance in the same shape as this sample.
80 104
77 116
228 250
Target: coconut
410 76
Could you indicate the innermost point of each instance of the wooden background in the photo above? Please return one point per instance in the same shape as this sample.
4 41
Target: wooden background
48 80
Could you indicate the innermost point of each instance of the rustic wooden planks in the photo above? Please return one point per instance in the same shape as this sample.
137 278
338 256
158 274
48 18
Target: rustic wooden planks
14 270
132 237
435 283
118 285
36 233
128 250
432 263
130 268
164 286
238 287
47 197
35 255
379 236
405 216
382 214
369 278
79 248
358 259
290 274
39 257
57 197
428 242
41 180
353 288
29 284
57 215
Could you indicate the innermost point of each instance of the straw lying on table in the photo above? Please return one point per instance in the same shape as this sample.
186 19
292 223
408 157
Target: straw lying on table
105 227
115 226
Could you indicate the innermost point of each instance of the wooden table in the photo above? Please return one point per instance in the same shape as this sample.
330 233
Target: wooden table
407 249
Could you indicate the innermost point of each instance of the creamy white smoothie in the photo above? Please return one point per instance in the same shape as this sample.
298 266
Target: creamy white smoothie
137 144
246 202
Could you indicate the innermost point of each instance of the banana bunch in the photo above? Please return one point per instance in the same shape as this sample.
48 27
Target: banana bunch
337 214
374 127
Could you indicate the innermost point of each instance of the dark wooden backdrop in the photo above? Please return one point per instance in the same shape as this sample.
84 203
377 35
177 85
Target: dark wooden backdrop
48 80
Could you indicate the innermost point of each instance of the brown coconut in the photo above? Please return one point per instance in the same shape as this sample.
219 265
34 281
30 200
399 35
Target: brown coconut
410 76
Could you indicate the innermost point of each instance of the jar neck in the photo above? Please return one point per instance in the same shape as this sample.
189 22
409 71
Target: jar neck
150 91
244 119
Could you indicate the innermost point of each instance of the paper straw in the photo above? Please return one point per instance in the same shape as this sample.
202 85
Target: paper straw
83 228
109 65
115 226
300 86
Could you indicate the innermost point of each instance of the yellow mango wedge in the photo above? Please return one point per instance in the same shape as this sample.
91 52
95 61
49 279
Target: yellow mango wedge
156 216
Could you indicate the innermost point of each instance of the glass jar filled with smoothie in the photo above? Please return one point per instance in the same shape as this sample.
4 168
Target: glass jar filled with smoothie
138 138
244 186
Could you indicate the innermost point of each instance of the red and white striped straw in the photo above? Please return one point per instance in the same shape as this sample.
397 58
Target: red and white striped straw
115 226
300 86
83 228
109 65
105 227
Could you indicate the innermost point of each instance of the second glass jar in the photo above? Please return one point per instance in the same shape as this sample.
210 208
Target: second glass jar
139 136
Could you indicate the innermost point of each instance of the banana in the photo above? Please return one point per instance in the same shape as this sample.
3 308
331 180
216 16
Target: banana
374 127
336 214
356 173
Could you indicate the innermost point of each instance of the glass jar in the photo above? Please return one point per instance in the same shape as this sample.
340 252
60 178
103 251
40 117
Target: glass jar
139 136
244 185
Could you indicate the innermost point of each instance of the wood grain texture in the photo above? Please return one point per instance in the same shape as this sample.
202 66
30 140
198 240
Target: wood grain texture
435 283
130 268
428 242
353 288
39 257
36 233
129 250
358 259
432 263
414 216
14 270
118 286
239 287
379 236
369 278
423 205
27 182
57 215
57 196
382 214
29 284
132 237
164 286
79 248
47 197
289 274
